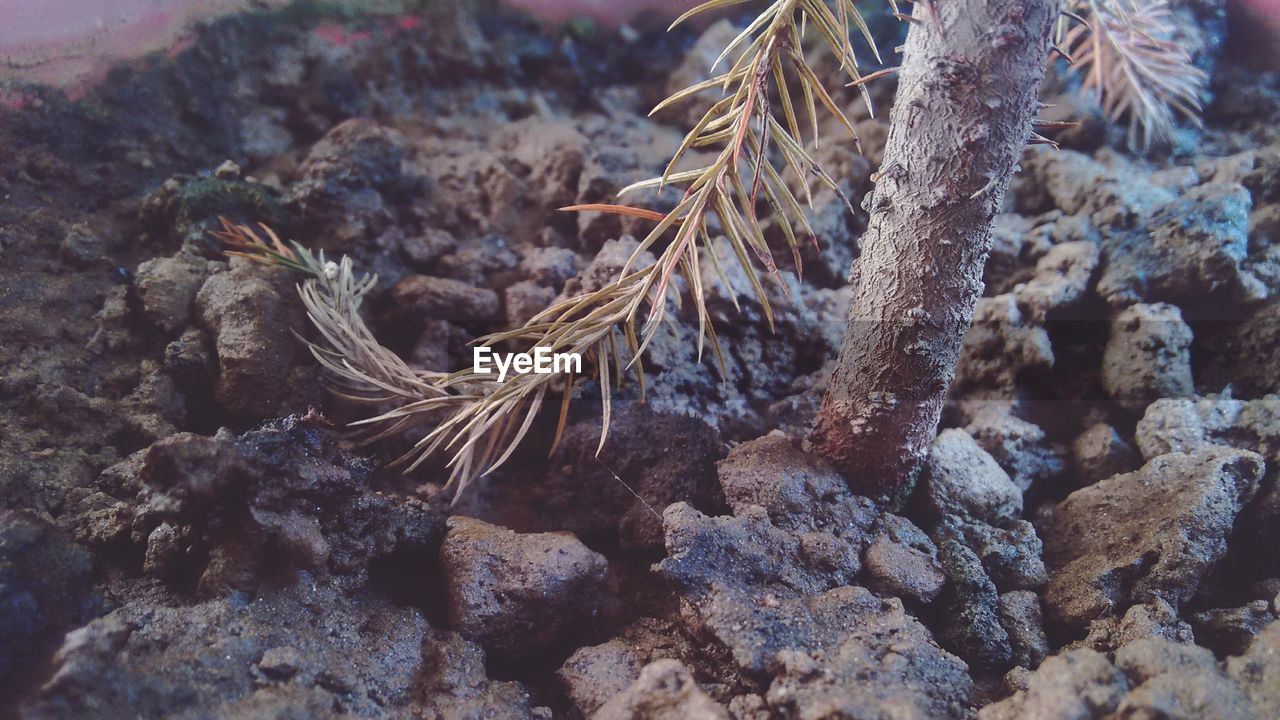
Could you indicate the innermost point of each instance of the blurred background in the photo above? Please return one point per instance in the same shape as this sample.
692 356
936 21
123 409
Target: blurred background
71 42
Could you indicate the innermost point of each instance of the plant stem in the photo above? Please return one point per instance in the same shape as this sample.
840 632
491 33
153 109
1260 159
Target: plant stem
967 93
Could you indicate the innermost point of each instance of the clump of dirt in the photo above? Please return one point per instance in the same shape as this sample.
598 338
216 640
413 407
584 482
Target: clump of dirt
187 533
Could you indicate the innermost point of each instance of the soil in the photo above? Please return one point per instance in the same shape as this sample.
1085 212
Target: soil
185 532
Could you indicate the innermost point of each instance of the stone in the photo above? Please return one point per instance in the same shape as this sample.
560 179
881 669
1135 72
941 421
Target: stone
421 250
747 588
1000 345
525 299
960 478
595 673
298 650
1178 680
516 593
800 492
45 590
251 324
1100 452
1012 557
424 296
1148 356
1156 618
1075 685
1257 672
1021 447
901 570
901 560
1062 279
166 289
1104 556
1255 336
281 662
350 182
971 606
665 690
883 665
1020 616
1190 424
1194 245
456 683
1230 631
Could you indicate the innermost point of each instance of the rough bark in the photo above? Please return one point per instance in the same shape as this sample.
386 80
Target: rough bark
967 93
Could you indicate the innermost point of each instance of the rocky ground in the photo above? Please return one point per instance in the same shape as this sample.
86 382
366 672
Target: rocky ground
185 534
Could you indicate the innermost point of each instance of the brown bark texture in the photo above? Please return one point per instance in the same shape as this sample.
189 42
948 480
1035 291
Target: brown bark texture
968 90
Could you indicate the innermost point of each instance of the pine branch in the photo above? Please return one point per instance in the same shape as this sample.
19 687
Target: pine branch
479 422
1126 52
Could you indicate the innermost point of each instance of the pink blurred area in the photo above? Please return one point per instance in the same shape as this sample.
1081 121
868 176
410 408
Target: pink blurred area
611 12
61 42
70 43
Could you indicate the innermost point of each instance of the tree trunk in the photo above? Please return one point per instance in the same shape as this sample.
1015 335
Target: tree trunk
967 92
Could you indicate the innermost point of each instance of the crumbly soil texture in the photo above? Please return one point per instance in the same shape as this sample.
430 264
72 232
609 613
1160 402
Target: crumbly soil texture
186 532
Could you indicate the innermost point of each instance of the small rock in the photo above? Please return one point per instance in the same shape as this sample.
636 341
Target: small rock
1012 556
456 683
81 247
1061 281
45 585
1257 672
963 479
884 663
167 289
514 593
1021 447
350 181
424 296
1148 356
1188 425
280 663
903 571
1195 246
1230 631
1156 618
1255 337
592 675
800 492
745 552
1104 557
1078 684
251 325
1191 424
164 552
1099 452
433 243
554 154
972 609
665 691
228 170
1178 680
1020 616
525 299
1000 345
550 266
190 360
